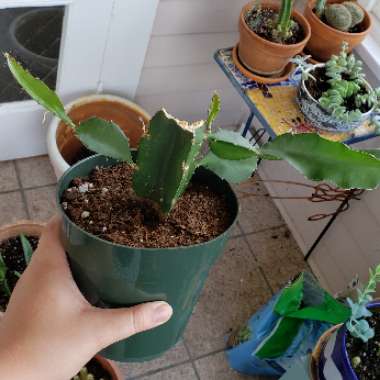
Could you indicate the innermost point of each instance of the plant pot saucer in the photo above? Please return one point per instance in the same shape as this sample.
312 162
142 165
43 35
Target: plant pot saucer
316 354
260 78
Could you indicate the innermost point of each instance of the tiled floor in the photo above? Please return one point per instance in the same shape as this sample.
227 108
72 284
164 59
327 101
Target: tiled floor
259 259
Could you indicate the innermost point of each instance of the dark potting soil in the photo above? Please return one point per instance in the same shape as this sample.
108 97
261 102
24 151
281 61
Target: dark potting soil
263 21
81 155
369 353
13 256
356 29
318 87
94 367
105 205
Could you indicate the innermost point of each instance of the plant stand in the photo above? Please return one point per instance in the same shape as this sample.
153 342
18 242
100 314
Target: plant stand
274 107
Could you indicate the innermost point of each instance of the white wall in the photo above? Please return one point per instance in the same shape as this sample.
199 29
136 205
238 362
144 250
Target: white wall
179 71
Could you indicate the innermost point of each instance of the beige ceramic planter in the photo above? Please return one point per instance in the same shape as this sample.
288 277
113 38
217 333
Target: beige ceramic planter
265 57
63 146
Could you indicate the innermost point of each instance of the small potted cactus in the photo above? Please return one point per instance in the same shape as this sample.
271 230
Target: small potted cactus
332 22
270 35
98 368
335 96
351 351
150 227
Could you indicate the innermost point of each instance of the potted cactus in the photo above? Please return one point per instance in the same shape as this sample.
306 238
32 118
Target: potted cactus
270 35
98 368
335 96
150 228
332 22
351 351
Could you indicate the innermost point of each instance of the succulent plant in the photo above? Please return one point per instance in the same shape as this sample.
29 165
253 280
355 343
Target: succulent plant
84 374
170 150
357 325
342 16
346 79
338 16
357 13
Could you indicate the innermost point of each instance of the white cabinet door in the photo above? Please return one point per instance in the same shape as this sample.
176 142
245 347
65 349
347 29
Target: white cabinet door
78 47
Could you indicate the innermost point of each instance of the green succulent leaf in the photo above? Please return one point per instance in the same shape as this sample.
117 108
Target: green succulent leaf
104 137
3 277
27 248
213 110
323 160
167 159
231 145
233 171
38 90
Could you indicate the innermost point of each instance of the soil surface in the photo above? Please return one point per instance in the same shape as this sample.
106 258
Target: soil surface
13 256
263 22
369 353
105 205
318 87
356 29
97 370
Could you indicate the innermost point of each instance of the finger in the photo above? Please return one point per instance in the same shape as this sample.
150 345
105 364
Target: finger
50 246
117 324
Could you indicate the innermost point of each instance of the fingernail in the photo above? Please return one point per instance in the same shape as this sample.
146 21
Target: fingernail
162 313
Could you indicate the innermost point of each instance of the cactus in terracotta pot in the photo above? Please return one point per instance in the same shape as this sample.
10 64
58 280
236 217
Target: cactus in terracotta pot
344 16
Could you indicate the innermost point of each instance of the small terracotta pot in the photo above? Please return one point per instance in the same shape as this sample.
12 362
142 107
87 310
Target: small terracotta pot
25 227
63 146
325 40
265 57
110 367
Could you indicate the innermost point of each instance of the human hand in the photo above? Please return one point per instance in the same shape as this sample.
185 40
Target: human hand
49 330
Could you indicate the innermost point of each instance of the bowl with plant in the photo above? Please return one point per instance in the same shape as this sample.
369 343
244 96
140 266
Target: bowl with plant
335 21
351 351
335 95
270 35
150 226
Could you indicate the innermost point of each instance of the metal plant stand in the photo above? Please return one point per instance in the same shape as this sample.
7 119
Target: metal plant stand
275 108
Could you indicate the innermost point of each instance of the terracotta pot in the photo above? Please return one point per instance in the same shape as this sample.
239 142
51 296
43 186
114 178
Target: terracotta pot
325 40
63 146
265 57
25 227
110 367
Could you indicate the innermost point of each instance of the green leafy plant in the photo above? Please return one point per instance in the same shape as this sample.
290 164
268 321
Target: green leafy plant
357 325
347 86
27 249
282 26
343 16
171 150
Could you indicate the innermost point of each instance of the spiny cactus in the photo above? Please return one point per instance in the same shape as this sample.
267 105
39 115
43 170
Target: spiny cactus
356 11
338 16
170 150
85 375
344 16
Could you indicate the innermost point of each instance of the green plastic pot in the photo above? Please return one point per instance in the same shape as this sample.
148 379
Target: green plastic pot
111 275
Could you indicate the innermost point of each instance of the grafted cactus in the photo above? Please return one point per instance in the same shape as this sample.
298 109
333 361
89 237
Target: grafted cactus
170 151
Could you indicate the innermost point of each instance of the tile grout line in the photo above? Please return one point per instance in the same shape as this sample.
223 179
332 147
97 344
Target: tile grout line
21 189
191 359
27 188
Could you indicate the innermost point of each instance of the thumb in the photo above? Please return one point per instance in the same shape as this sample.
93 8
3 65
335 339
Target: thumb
117 324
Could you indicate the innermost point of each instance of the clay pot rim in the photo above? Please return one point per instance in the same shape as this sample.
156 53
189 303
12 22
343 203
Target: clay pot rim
297 15
310 7
304 87
109 366
24 224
